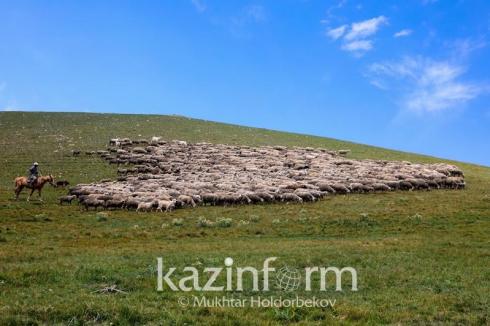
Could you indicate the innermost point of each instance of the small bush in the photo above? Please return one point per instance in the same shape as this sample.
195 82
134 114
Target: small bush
244 222
254 218
276 221
224 222
304 219
204 223
101 217
178 222
416 216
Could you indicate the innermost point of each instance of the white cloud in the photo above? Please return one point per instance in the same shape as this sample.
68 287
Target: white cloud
255 12
358 46
403 33
464 47
365 28
199 5
247 17
330 11
426 85
441 97
356 36
250 14
336 33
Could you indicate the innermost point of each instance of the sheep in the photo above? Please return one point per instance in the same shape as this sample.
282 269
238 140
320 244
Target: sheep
155 140
290 197
114 142
340 189
168 205
406 185
187 200
455 183
92 202
366 188
122 171
254 198
356 187
209 174
304 195
139 150
131 203
209 198
197 199
393 184
61 183
433 184
114 203
67 199
325 187
419 183
145 206
266 197
380 187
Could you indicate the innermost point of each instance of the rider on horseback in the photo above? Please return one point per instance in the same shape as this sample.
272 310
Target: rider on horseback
33 173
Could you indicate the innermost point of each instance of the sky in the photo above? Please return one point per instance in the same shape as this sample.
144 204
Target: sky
408 75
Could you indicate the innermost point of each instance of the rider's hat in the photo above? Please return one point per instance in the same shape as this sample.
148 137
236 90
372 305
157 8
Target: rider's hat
35 163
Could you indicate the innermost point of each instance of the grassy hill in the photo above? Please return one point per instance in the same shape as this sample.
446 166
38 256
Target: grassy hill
422 257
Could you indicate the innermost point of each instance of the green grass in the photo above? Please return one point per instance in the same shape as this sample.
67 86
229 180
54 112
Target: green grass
422 257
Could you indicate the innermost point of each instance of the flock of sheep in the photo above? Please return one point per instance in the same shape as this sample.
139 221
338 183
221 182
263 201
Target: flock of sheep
164 175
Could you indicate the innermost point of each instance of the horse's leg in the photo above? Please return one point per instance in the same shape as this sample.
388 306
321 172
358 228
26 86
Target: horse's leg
29 198
39 193
17 192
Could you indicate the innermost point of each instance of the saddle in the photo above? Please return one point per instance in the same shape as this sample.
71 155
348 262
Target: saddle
31 180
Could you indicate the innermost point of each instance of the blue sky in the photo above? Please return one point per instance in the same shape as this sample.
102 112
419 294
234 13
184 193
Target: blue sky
410 75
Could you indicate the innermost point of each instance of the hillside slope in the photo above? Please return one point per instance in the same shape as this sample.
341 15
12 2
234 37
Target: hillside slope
422 257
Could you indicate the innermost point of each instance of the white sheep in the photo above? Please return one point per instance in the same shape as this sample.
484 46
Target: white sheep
145 206
168 205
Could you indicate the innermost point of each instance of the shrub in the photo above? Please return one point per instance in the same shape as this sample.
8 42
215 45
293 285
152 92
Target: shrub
224 222
204 223
363 217
101 217
177 222
303 219
254 218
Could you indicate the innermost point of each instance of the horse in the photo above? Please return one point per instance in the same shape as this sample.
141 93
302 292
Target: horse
22 182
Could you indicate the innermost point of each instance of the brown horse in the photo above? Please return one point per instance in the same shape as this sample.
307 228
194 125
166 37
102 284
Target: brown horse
21 183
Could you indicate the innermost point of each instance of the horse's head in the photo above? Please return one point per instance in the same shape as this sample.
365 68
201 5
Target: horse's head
50 179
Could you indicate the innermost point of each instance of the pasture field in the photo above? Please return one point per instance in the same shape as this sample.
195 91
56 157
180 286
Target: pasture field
422 257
